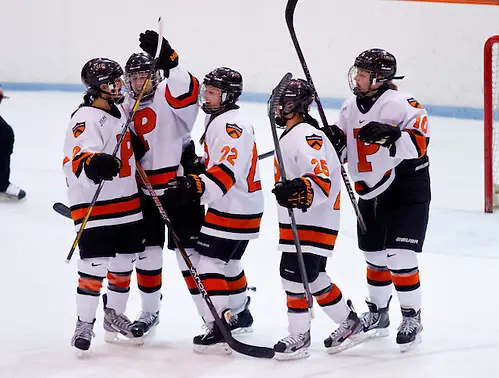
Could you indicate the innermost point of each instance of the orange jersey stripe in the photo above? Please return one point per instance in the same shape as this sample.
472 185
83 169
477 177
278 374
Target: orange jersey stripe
186 99
286 234
86 283
215 284
324 184
106 209
222 176
379 276
78 161
296 303
329 297
406 280
232 222
189 281
118 280
149 281
239 284
419 141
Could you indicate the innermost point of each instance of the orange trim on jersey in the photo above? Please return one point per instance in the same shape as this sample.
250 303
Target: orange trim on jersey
149 281
215 284
239 284
330 297
233 222
186 99
420 142
296 303
86 283
308 236
157 179
78 161
106 209
66 159
189 281
123 282
378 275
222 177
406 280
323 183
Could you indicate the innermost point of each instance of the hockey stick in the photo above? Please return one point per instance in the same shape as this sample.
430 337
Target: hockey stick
290 10
274 99
246 349
120 140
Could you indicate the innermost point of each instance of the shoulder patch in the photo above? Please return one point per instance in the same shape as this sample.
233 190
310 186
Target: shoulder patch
233 130
315 141
78 129
414 103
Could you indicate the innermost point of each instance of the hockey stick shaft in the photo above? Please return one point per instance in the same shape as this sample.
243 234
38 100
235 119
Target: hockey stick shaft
118 144
301 263
289 14
249 350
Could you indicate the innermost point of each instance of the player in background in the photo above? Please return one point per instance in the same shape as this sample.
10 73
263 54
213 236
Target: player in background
7 189
314 190
231 189
114 226
163 123
384 134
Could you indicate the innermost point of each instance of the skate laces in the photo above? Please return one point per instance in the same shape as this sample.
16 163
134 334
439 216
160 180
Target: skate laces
12 190
208 328
408 325
345 326
369 318
293 339
84 330
120 321
147 317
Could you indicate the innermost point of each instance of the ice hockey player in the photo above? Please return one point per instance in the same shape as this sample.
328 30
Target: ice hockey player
7 189
313 188
385 134
231 189
114 226
163 124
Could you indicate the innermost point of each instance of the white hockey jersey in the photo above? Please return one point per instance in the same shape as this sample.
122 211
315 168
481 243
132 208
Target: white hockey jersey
92 130
306 152
164 124
233 191
371 166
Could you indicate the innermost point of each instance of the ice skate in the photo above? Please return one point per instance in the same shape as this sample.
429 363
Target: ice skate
376 321
409 331
119 328
347 335
212 341
240 323
13 192
82 338
145 325
292 347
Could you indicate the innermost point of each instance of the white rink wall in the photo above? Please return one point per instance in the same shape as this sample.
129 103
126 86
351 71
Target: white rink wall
439 47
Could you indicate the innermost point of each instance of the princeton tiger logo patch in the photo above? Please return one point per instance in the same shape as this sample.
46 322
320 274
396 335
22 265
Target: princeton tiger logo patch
78 129
233 130
315 141
414 103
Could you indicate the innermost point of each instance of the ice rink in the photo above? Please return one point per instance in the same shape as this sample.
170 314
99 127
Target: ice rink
459 273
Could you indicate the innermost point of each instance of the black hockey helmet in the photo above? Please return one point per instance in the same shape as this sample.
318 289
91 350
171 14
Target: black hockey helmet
297 97
141 64
381 65
229 81
100 71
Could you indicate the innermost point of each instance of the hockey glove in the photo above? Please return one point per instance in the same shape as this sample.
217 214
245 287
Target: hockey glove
379 133
182 190
101 167
167 58
190 161
295 193
337 138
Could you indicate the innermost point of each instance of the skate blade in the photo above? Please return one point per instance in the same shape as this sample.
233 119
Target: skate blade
348 343
377 333
242 331
219 349
82 354
410 346
118 339
298 355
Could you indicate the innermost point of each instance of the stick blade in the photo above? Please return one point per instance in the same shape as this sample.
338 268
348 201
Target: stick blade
276 94
62 209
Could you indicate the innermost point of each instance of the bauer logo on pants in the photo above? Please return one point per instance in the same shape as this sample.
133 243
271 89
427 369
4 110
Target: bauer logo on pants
314 141
78 129
233 130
